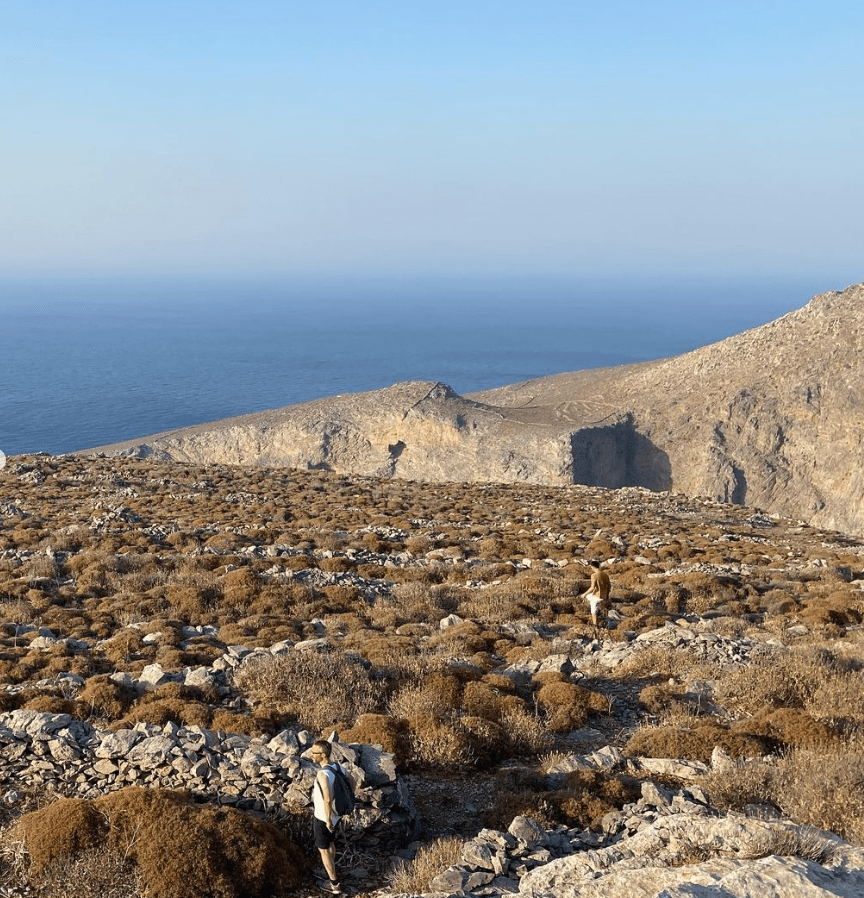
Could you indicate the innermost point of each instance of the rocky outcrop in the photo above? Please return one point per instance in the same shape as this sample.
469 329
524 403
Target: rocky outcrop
769 418
665 845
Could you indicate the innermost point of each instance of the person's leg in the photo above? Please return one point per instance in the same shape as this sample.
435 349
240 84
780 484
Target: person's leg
328 858
326 845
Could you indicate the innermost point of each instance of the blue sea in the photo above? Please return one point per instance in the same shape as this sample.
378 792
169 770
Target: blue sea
93 362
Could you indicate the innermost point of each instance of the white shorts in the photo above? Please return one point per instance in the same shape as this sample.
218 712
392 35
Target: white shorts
594 602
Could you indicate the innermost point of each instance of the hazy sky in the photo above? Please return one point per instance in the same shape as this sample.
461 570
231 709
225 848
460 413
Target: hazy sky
701 137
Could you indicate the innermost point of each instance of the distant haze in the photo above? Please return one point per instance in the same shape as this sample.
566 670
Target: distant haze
575 138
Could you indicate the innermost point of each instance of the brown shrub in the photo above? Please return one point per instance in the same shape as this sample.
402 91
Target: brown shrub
821 788
240 587
64 828
152 708
785 727
436 695
102 697
438 743
49 704
479 699
320 689
380 729
526 731
247 724
567 705
382 651
694 743
415 877
182 850
786 681
590 795
10 701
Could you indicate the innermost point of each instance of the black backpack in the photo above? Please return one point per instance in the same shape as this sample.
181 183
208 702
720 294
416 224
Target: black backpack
343 791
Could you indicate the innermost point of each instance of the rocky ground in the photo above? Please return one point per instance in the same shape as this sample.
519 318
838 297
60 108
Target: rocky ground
171 626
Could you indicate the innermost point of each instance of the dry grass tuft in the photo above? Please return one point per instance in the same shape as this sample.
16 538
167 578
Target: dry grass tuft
415 877
823 788
319 689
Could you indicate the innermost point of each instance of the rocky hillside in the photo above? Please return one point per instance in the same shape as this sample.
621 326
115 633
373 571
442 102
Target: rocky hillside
173 636
770 418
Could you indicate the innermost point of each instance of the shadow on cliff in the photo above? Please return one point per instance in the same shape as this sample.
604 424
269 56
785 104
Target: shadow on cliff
618 455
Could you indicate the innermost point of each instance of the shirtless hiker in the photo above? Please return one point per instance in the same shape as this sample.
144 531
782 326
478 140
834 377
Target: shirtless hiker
597 595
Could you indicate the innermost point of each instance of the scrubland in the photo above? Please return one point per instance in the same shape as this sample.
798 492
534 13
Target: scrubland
361 572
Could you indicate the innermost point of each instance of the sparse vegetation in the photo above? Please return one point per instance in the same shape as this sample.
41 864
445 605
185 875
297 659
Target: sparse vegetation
426 632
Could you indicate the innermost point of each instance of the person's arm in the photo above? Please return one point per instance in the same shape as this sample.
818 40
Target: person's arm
327 794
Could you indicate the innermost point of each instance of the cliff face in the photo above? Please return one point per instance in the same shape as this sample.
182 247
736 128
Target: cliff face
772 417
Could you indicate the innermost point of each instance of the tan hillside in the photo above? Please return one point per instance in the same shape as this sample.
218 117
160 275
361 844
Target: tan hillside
174 636
770 418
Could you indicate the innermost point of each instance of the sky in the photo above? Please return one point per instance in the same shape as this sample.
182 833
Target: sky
273 139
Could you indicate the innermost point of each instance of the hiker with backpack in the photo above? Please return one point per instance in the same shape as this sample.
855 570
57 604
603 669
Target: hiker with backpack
332 798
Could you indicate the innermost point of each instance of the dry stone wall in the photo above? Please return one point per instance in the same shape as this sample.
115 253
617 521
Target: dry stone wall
66 756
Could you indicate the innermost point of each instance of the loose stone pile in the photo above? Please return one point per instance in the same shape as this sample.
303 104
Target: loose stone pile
69 757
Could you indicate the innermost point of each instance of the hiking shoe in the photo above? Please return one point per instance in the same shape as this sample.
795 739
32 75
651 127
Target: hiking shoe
328 885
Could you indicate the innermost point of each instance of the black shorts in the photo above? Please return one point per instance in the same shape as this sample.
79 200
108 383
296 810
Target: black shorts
323 836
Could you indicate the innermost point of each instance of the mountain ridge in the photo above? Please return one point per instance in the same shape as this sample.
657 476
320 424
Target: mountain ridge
771 417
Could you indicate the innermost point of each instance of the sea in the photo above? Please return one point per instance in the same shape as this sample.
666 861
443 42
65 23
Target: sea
90 362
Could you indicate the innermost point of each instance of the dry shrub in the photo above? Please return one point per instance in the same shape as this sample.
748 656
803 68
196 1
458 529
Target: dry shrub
694 743
489 740
661 697
240 587
501 682
103 697
482 700
822 788
589 796
49 704
788 680
749 782
153 708
381 651
415 877
832 611
225 542
499 603
806 842
839 701
655 661
380 729
567 705
825 788
17 611
337 564
247 724
181 849
439 743
10 701
436 695
319 689
94 873
519 791
526 731
785 727
61 830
